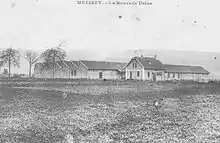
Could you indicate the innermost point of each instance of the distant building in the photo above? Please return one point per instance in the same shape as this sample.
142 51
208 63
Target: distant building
102 69
185 72
5 72
146 68
138 68
83 69
63 69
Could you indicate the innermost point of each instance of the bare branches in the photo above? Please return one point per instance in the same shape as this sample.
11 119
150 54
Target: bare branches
10 56
32 57
51 57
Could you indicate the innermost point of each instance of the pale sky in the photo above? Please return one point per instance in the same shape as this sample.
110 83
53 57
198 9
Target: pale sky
45 23
166 24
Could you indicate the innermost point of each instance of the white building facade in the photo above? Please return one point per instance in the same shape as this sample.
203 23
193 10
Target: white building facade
145 68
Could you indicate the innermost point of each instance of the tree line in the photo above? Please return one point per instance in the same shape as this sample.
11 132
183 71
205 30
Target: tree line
11 57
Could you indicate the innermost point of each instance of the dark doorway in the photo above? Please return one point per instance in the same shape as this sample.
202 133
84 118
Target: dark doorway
73 72
130 75
100 75
154 77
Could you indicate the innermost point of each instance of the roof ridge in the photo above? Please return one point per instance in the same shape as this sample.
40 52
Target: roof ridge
184 65
101 61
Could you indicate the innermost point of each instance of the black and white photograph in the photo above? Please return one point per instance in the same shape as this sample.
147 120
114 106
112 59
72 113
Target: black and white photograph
109 71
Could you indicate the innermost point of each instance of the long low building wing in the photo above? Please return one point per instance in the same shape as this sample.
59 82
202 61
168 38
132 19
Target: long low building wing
185 69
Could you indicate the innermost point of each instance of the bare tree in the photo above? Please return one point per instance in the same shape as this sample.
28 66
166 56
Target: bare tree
10 56
51 57
32 57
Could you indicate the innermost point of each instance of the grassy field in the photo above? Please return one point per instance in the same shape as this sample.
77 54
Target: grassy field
109 112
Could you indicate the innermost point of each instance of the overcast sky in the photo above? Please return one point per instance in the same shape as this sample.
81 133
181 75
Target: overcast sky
166 24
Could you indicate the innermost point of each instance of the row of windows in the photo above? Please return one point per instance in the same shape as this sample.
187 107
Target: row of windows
148 74
178 75
138 74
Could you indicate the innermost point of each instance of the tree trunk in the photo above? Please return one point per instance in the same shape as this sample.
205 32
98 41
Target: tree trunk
30 65
53 72
53 65
9 67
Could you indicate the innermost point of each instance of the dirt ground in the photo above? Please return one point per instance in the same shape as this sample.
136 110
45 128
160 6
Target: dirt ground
109 112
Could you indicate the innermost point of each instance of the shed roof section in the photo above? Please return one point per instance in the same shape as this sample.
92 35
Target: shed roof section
185 69
103 65
59 64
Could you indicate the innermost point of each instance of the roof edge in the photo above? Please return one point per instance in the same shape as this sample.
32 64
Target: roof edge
83 64
65 64
74 64
134 58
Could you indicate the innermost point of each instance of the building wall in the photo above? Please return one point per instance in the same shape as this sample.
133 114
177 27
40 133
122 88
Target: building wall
132 72
59 73
81 72
130 66
184 76
145 74
148 75
42 73
62 73
173 76
195 77
106 74
158 74
187 77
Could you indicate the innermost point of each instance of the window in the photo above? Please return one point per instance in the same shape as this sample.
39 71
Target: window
173 75
159 73
148 74
134 65
168 75
100 75
73 73
138 74
178 75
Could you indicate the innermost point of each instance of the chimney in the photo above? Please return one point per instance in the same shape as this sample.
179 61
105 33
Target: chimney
155 56
142 56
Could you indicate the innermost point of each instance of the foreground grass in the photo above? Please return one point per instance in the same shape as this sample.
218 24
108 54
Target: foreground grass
187 113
